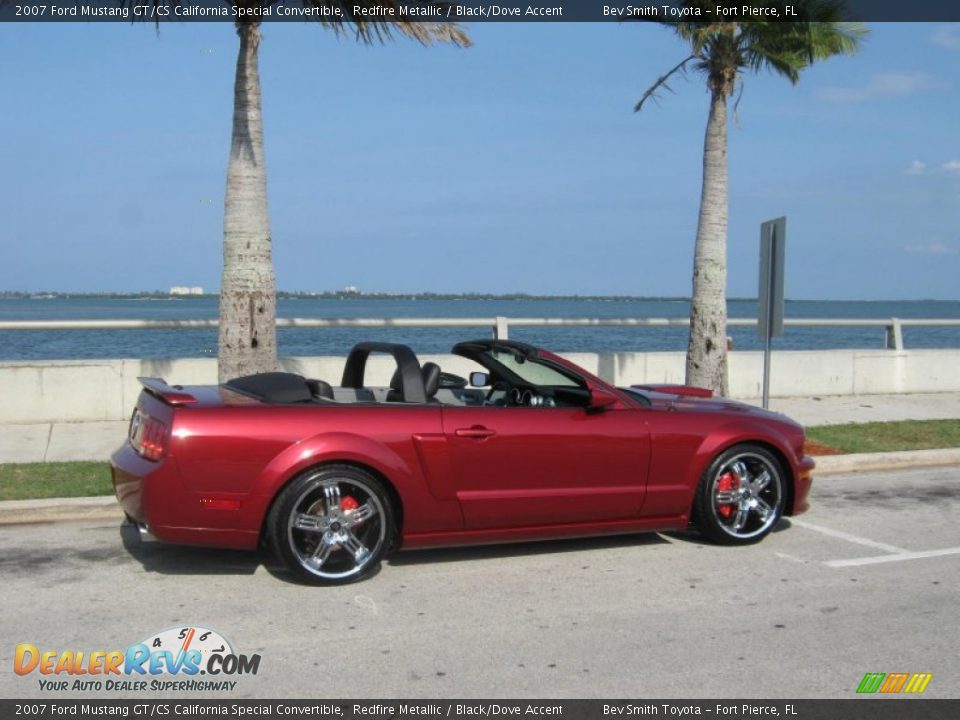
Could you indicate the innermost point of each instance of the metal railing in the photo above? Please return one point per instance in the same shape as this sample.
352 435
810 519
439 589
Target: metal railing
500 326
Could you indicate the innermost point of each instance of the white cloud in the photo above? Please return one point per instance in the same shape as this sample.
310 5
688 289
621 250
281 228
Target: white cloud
916 168
952 166
931 248
948 36
881 87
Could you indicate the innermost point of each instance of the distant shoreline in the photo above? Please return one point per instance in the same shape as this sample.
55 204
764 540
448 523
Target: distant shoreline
342 295
339 295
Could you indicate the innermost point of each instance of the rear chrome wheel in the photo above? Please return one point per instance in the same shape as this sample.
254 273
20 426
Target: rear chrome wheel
741 496
332 525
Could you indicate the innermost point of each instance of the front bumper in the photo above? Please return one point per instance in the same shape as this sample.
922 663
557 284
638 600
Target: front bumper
802 481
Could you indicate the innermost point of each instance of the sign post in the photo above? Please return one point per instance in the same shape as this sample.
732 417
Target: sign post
773 241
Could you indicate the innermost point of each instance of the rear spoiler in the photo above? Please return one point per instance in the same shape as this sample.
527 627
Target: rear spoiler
170 395
685 390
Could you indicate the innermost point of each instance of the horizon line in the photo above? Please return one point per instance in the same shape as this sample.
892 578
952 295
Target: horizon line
427 294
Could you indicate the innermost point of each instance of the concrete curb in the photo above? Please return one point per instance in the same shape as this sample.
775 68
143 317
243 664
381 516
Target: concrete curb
863 462
17 512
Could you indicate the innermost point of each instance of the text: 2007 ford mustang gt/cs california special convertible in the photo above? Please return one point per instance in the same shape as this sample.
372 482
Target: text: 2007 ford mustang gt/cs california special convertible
532 447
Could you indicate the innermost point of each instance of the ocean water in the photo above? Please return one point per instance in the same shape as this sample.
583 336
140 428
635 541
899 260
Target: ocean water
90 344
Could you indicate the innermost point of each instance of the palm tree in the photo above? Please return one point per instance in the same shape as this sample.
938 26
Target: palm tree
723 52
248 299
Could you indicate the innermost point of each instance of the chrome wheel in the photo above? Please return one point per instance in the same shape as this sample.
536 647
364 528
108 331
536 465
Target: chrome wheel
335 526
741 496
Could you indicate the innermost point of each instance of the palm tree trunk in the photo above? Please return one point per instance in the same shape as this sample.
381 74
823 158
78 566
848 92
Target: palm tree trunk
248 297
707 346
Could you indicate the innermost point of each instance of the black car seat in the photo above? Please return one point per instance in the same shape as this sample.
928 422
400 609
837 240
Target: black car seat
320 389
396 387
430 372
431 379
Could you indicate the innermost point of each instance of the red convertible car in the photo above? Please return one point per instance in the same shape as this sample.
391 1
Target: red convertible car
532 447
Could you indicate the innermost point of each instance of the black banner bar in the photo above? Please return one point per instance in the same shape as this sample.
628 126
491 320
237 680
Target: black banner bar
465 11
854 709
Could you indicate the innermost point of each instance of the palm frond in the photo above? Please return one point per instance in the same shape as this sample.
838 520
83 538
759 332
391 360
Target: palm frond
428 33
661 82
356 18
840 38
368 31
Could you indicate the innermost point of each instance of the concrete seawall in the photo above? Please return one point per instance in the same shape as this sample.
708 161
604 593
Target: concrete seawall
105 390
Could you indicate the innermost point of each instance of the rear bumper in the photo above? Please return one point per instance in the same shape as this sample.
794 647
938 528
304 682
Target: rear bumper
154 497
132 477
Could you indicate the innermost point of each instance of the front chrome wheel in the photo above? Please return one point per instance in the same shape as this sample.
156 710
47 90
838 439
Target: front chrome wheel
332 525
741 495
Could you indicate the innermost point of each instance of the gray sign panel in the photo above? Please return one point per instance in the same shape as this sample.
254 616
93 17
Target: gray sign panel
773 243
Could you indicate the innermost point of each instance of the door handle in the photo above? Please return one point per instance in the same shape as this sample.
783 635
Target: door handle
477 432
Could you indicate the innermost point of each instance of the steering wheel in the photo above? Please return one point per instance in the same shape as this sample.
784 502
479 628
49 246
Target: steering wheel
498 386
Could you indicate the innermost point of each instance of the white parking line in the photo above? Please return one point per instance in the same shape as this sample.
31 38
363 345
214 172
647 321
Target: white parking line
893 558
848 537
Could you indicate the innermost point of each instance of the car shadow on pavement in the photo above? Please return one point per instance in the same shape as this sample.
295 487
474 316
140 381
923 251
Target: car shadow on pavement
183 560
695 538
521 549
783 524
168 559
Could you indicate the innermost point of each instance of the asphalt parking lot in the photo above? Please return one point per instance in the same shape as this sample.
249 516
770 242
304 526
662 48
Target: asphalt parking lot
867 581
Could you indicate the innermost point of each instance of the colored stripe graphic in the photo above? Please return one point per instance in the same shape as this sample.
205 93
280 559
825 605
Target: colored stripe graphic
914 683
871 682
894 682
918 682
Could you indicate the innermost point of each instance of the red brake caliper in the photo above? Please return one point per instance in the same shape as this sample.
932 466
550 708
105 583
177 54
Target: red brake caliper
348 503
727 483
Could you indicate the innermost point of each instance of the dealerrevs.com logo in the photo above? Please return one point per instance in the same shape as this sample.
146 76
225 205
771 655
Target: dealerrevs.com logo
171 660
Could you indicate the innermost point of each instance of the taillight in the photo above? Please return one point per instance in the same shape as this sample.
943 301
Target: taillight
148 435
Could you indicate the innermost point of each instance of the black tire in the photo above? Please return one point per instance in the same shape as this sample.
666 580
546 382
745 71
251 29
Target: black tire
332 525
741 496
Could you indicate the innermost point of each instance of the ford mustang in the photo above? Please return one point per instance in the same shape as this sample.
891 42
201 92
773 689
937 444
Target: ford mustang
528 447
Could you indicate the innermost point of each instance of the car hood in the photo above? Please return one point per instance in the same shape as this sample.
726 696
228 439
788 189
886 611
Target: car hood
677 402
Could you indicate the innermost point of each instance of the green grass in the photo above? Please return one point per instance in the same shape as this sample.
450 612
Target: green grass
888 436
78 479
28 481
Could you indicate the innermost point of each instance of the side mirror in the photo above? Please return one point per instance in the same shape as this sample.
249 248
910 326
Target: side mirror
600 398
479 379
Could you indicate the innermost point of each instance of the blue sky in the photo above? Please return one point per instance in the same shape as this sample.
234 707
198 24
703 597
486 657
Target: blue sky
514 166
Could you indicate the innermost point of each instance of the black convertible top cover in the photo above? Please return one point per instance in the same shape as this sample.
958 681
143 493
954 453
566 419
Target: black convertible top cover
273 387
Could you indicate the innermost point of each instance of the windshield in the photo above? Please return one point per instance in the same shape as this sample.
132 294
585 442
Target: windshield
531 371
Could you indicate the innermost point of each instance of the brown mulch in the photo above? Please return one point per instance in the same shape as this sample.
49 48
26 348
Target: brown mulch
814 448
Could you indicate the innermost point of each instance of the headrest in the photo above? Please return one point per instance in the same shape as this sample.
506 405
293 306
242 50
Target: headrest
320 389
431 378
